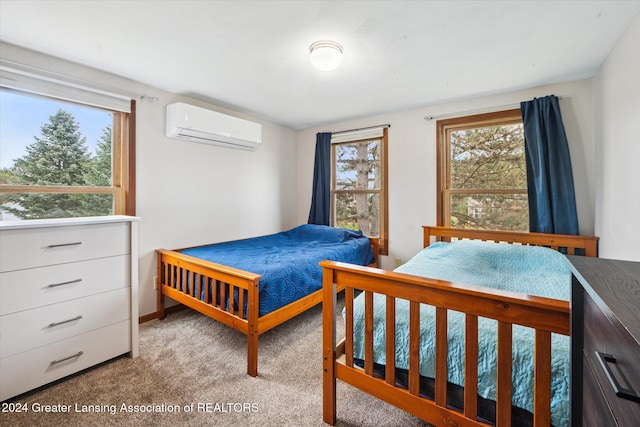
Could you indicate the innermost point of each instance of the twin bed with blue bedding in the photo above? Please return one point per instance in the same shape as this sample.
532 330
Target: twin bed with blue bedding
526 269
255 284
480 329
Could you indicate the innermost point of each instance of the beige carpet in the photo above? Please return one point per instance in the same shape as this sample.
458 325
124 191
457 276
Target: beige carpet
189 359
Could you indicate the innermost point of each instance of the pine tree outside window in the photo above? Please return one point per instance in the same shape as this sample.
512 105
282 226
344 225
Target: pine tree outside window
74 162
482 179
359 184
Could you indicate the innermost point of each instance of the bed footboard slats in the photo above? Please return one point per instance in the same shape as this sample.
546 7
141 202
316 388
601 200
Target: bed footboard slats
220 292
441 356
348 321
219 289
206 289
368 333
390 344
470 366
542 375
503 377
419 291
414 348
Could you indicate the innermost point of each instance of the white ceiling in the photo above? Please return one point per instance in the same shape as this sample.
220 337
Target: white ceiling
252 56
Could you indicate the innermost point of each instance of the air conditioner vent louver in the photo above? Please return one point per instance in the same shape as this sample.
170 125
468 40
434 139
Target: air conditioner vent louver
191 123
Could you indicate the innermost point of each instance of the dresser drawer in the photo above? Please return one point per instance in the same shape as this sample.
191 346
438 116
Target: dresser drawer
26 289
604 334
28 370
597 413
37 247
28 329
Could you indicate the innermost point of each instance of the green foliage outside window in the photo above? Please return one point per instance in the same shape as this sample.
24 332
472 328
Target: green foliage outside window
59 156
488 178
357 184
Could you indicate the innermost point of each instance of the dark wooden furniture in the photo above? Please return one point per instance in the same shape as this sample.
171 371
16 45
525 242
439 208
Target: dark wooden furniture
605 342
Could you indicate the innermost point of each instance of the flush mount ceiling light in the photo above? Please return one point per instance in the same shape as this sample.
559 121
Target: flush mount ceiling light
325 55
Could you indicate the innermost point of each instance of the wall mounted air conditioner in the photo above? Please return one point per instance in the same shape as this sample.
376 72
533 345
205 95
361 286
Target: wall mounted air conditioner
196 124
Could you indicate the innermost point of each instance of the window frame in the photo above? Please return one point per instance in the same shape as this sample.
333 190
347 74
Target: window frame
443 155
383 192
123 170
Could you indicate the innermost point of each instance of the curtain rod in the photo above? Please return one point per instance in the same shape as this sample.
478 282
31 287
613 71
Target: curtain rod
360 129
475 111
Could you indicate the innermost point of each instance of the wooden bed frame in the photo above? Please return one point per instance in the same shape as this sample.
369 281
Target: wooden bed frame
173 266
545 315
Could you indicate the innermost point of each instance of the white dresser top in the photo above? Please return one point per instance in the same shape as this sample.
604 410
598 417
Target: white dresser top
57 222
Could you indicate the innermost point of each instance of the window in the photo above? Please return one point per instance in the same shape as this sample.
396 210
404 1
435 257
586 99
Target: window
63 159
359 182
482 179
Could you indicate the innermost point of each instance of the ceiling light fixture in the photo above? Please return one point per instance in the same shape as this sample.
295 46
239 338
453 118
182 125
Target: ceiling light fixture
325 55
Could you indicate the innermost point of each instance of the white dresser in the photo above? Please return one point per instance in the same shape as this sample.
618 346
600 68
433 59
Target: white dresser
68 297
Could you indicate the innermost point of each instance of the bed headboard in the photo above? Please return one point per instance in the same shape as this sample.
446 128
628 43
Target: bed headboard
588 244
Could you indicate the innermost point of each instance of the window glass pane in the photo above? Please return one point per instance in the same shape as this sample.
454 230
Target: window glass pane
358 212
358 166
488 158
358 184
38 205
490 211
46 142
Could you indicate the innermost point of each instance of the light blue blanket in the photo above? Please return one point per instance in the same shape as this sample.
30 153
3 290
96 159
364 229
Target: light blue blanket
526 269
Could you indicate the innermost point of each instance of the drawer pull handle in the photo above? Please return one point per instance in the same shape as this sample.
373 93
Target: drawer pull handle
624 393
53 285
59 245
55 362
51 325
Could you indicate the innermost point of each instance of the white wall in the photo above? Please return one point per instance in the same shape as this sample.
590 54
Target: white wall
190 194
187 193
617 124
412 160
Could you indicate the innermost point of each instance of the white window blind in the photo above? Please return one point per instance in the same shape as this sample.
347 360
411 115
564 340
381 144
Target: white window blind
358 134
41 82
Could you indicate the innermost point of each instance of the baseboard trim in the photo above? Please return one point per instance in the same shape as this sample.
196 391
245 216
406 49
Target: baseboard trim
167 311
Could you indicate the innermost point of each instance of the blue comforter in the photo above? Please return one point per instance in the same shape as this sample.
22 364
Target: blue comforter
288 261
526 269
